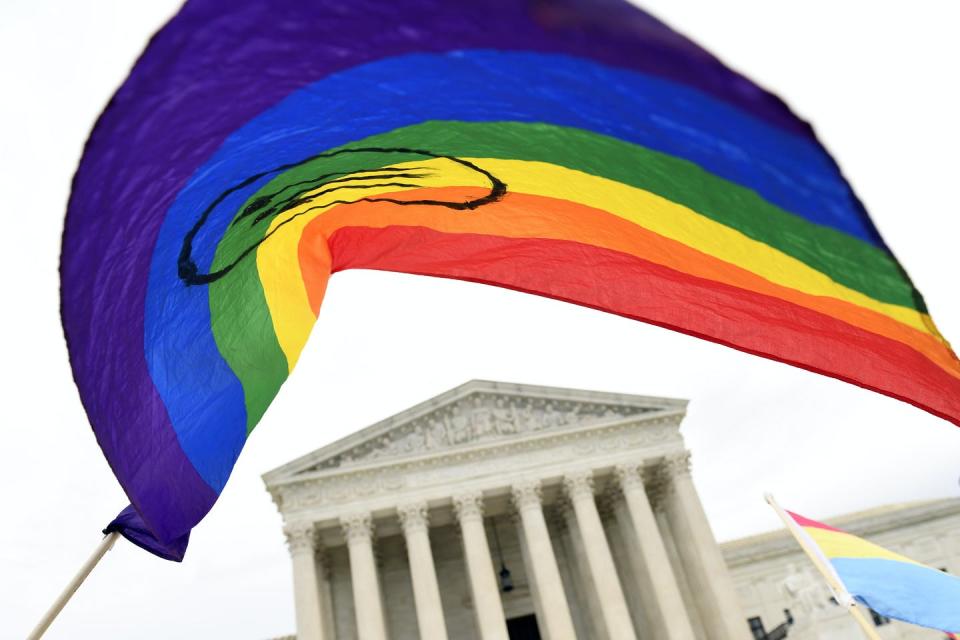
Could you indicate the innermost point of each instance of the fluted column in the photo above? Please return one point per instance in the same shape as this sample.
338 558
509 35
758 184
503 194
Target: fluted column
358 530
700 555
613 604
557 620
301 540
426 591
483 583
658 586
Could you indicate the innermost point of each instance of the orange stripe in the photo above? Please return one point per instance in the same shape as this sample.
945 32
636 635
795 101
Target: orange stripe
315 264
521 215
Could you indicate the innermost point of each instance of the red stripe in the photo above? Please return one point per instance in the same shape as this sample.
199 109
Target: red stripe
626 285
807 522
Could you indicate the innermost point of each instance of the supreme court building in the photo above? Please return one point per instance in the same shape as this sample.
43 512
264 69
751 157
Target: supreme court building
502 511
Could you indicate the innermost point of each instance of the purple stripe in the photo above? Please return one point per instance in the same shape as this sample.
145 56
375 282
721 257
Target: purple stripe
216 65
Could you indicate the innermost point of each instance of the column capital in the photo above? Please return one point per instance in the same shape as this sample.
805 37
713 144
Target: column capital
468 505
677 464
629 475
606 503
357 527
659 486
542 569
527 494
662 480
301 537
579 484
413 516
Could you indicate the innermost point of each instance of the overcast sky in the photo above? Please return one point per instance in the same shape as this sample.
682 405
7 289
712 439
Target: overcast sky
881 90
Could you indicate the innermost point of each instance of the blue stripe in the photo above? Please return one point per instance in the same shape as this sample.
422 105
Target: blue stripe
905 591
203 396
482 86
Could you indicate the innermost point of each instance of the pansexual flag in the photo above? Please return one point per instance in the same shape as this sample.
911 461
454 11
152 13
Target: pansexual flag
887 582
575 149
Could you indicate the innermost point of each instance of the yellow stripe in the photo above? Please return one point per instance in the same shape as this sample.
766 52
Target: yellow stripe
687 226
278 258
840 544
291 312
279 266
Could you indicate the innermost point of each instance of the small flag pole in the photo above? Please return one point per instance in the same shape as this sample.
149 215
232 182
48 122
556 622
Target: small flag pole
105 545
833 581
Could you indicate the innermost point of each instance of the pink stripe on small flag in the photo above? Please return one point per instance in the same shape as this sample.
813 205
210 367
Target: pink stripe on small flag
807 522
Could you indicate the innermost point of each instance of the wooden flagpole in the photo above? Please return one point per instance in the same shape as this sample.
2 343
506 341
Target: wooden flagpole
839 591
105 545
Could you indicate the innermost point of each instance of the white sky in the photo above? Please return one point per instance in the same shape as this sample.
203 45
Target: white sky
881 89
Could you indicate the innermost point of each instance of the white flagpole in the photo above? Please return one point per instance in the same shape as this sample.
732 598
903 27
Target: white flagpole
55 609
839 591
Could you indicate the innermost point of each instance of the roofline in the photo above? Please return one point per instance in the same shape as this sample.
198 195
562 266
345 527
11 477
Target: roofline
458 393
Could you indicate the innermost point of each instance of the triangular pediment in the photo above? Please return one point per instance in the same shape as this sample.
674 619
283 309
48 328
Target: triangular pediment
475 413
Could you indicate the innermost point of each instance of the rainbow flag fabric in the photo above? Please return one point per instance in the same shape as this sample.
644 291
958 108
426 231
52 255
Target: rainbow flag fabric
575 149
887 582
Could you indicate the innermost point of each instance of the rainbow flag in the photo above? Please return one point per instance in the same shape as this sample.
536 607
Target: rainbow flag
580 150
887 582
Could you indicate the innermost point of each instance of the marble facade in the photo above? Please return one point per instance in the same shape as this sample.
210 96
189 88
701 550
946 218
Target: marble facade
402 530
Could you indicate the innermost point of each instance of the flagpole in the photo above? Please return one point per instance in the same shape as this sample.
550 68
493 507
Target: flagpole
843 596
105 545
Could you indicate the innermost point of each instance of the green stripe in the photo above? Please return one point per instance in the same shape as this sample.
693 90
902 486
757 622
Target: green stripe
845 259
241 325
239 316
241 320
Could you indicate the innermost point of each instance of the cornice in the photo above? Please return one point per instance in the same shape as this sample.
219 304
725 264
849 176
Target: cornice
657 406
614 443
656 429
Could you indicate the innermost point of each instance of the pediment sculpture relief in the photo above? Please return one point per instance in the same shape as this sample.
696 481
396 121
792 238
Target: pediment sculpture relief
478 418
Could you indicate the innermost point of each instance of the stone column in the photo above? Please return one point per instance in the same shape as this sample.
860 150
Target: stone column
538 608
301 539
557 620
483 583
426 591
585 591
368 608
658 586
700 555
613 604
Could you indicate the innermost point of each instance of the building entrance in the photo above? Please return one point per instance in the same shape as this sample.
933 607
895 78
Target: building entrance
523 628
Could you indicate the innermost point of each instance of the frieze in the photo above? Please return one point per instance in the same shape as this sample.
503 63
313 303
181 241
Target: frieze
645 436
339 490
650 438
481 417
